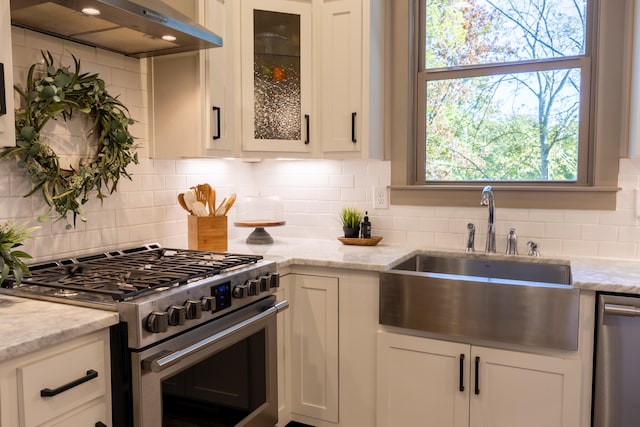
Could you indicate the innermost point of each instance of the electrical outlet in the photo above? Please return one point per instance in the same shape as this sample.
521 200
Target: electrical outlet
380 198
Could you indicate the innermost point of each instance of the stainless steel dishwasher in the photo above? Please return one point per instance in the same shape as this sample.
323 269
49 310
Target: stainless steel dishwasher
616 401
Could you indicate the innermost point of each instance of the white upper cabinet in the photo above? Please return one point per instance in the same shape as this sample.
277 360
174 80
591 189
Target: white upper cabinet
276 76
351 88
220 111
294 78
179 97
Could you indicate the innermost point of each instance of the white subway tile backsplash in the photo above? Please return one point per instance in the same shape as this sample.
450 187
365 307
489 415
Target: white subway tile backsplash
598 232
5 186
424 239
580 217
342 181
619 217
544 215
440 225
562 231
616 249
445 212
353 195
579 248
111 59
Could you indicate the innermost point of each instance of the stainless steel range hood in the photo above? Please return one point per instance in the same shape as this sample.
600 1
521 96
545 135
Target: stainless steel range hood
140 29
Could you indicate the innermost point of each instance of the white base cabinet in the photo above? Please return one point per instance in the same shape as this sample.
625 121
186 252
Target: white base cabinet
331 344
82 363
426 382
314 344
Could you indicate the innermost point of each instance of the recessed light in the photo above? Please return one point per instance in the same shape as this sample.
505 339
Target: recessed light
169 38
90 11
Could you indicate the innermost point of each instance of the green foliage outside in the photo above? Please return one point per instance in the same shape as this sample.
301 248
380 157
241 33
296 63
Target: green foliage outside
502 125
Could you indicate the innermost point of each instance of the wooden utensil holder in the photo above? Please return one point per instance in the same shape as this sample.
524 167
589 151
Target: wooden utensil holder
208 233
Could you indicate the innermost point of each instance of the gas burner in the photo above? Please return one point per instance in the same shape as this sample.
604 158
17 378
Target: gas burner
66 293
127 274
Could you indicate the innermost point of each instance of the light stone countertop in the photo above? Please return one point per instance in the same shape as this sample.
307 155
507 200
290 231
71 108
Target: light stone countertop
325 253
29 325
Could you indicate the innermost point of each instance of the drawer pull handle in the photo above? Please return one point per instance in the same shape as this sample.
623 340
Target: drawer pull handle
477 376
461 384
353 128
217 111
306 119
100 424
47 392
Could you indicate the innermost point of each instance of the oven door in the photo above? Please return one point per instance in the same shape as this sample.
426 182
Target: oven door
222 373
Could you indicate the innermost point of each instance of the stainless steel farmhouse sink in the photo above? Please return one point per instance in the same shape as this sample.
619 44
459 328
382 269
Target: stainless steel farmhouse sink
515 300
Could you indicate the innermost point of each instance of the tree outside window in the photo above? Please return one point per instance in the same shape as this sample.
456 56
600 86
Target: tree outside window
505 86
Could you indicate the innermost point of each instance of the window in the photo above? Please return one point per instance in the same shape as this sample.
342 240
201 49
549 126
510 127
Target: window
502 81
523 94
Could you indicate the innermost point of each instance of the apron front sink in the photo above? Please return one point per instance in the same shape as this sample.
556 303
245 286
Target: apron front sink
512 300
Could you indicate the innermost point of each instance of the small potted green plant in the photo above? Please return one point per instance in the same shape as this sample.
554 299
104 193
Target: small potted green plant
351 218
11 237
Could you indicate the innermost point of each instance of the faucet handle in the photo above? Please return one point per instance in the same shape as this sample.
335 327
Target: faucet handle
512 242
533 249
471 236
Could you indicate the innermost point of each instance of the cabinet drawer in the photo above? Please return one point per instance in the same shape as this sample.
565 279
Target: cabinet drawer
87 417
54 373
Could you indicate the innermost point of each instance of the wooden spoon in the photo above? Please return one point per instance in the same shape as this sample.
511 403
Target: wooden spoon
212 201
220 209
183 203
230 201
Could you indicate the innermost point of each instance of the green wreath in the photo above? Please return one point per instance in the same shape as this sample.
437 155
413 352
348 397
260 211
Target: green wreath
59 92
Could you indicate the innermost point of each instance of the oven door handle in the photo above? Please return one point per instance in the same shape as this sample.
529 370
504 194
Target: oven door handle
158 364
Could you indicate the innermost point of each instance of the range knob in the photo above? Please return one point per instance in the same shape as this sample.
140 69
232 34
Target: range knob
274 280
157 321
193 309
177 315
239 291
208 303
253 287
264 283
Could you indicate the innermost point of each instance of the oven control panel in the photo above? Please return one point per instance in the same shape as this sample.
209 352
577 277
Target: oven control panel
180 308
220 299
222 295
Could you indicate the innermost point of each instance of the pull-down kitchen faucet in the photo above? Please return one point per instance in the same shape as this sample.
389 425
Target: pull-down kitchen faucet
487 200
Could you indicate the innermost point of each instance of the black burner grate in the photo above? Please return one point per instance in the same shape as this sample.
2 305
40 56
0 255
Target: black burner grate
130 273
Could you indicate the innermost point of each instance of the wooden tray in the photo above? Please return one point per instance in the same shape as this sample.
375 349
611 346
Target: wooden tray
360 242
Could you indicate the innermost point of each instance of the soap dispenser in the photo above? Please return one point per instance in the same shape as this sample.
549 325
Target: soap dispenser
365 229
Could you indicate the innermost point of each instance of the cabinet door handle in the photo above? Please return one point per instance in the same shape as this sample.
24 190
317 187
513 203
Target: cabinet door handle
217 111
47 392
353 127
100 424
461 385
477 376
306 119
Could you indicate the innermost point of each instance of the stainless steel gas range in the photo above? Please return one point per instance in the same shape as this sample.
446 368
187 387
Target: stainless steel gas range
196 345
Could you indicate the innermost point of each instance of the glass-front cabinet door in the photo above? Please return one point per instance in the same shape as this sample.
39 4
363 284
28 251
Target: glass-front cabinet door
276 76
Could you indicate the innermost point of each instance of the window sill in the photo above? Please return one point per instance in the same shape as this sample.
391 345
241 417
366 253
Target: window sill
523 197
